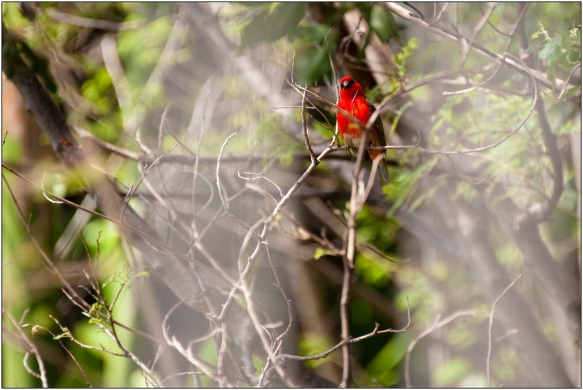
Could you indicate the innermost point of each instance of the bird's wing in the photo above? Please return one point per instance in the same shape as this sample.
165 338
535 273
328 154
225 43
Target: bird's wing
378 124
380 132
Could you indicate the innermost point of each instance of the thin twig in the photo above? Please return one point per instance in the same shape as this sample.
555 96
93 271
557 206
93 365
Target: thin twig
357 200
49 263
490 23
68 351
102 24
32 348
195 171
436 325
217 175
374 332
186 352
487 80
490 326
466 46
539 76
440 14
154 243
305 127
538 213
261 176
568 78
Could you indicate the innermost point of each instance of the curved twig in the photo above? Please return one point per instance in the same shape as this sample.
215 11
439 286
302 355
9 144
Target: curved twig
374 332
436 325
490 326
42 375
539 76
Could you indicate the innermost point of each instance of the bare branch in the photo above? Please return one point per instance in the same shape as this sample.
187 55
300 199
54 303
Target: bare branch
441 12
539 76
374 332
435 326
221 195
490 326
465 45
537 212
487 80
150 239
186 352
101 24
306 137
32 348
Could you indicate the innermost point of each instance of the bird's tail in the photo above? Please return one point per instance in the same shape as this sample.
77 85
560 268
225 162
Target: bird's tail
382 168
384 171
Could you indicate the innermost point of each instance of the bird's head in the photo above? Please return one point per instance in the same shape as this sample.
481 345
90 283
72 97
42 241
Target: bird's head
350 88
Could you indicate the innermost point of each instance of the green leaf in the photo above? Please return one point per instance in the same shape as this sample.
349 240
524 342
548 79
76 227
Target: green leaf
461 336
382 366
547 51
382 23
142 274
65 334
273 21
451 371
317 33
313 344
314 66
569 93
400 188
322 252
109 280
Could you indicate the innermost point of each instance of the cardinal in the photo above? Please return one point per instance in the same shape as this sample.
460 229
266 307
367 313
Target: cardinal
353 101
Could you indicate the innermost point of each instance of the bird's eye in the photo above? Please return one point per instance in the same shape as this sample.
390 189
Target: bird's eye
347 84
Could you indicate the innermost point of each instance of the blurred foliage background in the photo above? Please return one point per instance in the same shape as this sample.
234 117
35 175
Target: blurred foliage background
146 78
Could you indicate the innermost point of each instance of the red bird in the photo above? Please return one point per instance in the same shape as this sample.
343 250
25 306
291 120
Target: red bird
352 100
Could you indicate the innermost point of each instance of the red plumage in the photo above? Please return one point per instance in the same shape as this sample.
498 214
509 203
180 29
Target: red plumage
353 101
